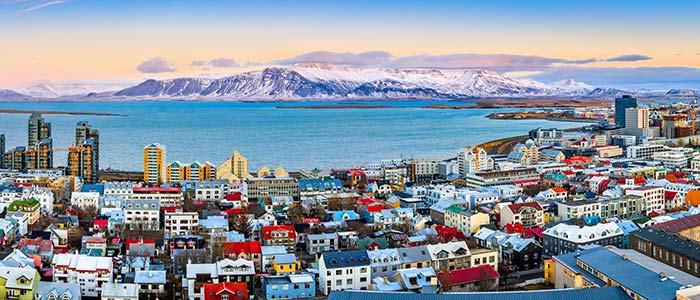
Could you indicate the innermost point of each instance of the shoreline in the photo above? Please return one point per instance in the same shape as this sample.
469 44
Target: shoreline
56 112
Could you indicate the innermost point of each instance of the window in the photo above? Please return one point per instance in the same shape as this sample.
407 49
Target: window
224 297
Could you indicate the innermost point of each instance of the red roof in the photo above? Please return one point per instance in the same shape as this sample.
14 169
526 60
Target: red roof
234 290
466 276
170 209
267 231
234 196
449 234
241 247
669 195
534 231
680 224
525 182
514 228
96 240
559 190
102 223
232 211
138 241
515 207
356 172
366 201
375 207
156 189
568 172
312 220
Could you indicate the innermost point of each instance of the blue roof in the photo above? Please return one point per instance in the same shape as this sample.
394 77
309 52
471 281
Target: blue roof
100 188
569 260
640 280
610 293
320 184
345 259
628 226
352 215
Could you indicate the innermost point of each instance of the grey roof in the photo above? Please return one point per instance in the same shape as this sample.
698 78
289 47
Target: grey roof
657 266
611 293
669 241
288 258
414 254
45 288
642 281
345 259
150 277
120 290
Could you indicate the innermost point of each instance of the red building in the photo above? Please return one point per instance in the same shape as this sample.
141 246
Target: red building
226 291
250 250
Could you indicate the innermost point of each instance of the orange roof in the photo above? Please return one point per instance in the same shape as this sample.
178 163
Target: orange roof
559 190
692 198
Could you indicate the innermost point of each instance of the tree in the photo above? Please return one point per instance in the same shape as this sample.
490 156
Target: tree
75 241
240 223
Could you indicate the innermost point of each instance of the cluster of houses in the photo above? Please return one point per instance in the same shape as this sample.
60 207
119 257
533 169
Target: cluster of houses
559 210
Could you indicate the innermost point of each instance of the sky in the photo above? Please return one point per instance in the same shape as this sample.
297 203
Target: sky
641 44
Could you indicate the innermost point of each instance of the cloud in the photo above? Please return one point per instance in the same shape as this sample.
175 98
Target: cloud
362 59
43 4
639 77
217 63
223 63
156 65
497 62
629 57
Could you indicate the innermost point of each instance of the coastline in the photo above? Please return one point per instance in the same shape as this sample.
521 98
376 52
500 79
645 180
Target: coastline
55 112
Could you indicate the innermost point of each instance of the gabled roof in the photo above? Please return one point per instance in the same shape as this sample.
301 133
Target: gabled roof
268 230
470 275
670 241
679 225
345 259
242 247
610 293
516 207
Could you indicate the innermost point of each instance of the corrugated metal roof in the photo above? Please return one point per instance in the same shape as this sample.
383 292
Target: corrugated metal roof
612 293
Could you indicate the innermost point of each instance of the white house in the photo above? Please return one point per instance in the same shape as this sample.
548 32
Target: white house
348 270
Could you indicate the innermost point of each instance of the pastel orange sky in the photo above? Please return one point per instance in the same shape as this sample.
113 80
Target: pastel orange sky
81 40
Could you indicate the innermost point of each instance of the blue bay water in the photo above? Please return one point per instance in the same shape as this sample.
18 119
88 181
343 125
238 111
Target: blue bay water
269 136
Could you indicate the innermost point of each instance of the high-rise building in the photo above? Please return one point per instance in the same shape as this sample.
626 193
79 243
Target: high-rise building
637 121
196 171
672 125
153 163
15 159
81 161
37 130
83 132
472 160
2 150
621 104
40 156
234 168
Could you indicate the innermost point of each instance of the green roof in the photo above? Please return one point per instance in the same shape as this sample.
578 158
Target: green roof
455 209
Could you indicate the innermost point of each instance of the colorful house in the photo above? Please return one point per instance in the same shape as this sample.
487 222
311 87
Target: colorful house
226 291
18 283
298 286
31 207
285 264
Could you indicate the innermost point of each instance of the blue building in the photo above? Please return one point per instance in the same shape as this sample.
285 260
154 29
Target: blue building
296 286
627 227
345 215
620 105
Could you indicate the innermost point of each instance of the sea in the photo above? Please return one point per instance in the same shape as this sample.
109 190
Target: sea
295 139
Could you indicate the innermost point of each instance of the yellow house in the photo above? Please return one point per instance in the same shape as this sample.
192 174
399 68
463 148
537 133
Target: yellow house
549 271
547 218
286 264
18 283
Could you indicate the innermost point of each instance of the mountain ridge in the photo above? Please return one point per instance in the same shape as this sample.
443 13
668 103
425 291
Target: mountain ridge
331 82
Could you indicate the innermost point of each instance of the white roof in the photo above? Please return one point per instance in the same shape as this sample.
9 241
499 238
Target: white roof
450 247
584 234
82 262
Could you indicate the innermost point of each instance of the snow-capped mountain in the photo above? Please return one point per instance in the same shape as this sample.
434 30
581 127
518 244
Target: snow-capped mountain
10 95
331 82
54 89
318 81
